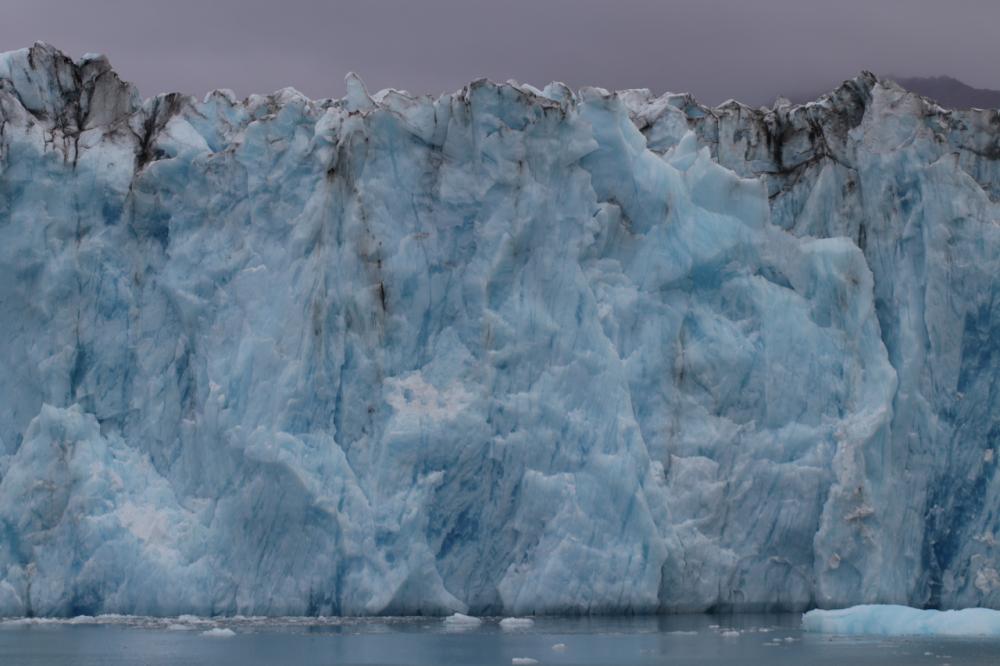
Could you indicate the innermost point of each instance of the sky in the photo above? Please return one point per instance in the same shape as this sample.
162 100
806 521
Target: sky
751 50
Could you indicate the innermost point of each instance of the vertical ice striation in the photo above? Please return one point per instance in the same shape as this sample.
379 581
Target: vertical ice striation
917 188
508 350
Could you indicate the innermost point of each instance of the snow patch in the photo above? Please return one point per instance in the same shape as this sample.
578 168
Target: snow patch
413 396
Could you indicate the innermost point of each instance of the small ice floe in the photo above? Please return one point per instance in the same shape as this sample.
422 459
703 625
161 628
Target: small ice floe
890 620
110 619
516 623
559 647
730 633
192 619
523 661
461 621
219 632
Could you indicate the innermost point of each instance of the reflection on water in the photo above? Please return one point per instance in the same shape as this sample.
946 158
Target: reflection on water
698 639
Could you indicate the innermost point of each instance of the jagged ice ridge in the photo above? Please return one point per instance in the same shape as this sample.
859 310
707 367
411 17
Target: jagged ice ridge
504 351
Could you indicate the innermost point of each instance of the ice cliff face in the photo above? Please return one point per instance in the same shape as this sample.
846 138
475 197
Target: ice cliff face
508 350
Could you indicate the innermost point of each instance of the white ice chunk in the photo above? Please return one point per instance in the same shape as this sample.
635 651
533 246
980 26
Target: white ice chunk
463 621
219 632
516 623
891 620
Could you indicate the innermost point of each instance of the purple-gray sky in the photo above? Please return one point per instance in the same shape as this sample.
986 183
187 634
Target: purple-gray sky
746 49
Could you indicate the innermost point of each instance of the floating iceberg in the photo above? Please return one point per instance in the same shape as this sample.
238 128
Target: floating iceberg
516 623
506 351
219 632
889 620
460 621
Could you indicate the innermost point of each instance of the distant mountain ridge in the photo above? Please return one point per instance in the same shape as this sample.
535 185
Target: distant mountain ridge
949 91
945 90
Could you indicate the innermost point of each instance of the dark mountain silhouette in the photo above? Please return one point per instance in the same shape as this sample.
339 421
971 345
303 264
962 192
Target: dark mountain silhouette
945 90
950 92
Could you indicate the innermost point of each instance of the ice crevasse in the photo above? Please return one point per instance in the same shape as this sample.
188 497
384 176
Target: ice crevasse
507 350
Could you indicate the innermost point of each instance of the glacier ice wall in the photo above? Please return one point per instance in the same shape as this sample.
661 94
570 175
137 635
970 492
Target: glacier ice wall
507 350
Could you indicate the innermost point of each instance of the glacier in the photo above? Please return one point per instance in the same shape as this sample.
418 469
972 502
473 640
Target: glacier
504 351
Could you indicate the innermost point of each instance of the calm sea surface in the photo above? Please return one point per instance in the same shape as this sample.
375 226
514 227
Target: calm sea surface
756 640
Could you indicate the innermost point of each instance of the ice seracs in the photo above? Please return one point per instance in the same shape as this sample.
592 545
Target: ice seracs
504 352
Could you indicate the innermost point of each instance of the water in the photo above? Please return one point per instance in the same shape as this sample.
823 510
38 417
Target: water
770 640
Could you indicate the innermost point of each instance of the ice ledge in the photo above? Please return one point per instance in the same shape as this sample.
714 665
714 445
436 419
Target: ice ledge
891 620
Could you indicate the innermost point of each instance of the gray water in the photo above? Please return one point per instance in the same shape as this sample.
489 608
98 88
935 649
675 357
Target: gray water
771 640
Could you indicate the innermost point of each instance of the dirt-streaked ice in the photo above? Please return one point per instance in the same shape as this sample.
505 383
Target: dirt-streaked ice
506 351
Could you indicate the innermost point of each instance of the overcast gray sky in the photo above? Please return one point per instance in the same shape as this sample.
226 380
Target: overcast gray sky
716 49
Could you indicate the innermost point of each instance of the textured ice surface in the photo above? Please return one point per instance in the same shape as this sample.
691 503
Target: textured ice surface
505 351
460 621
516 623
903 621
219 632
